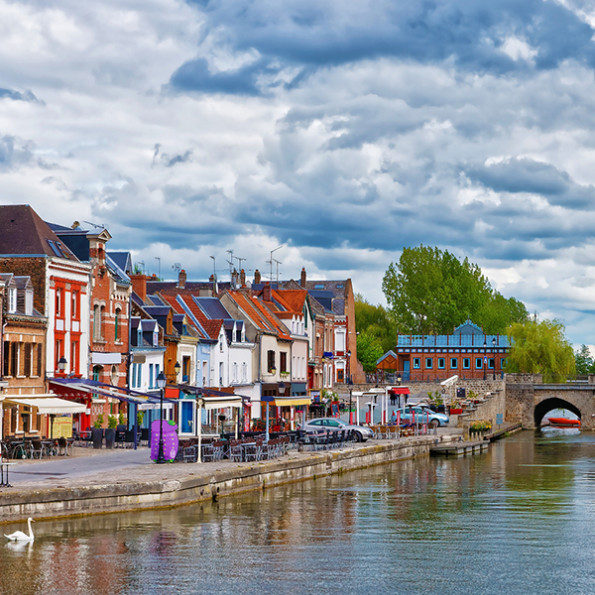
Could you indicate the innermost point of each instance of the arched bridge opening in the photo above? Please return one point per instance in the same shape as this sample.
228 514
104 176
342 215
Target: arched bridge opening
544 407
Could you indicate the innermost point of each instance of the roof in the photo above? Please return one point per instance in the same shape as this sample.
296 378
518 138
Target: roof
23 232
212 307
291 300
183 303
260 315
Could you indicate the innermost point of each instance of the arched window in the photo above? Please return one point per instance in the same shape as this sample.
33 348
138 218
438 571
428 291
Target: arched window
97 311
117 324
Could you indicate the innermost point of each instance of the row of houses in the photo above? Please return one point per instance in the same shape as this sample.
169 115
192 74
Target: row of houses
82 334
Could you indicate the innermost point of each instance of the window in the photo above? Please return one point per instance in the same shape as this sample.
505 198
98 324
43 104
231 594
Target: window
271 361
416 363
59 304
39 368
466 363
441 363
75 305
58 354
340 375
28 359
503 362
6 359
491 363
454 363
74 357
283 362
151 383
12 300
478 364
97 322
117 324
429 363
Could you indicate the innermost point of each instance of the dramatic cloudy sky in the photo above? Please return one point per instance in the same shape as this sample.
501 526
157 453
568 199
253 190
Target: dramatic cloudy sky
339 130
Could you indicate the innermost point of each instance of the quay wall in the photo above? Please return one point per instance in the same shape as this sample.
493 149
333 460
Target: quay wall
195 483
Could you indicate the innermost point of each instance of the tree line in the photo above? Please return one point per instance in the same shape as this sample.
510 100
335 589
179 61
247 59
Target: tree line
430 291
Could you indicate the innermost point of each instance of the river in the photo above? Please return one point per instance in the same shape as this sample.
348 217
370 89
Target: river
518 519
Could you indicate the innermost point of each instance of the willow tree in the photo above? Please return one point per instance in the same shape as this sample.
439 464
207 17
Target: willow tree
540 348
431 291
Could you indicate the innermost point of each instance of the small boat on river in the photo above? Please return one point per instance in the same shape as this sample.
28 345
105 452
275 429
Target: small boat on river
564 422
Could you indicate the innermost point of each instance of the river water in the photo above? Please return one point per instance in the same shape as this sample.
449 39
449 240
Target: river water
518 519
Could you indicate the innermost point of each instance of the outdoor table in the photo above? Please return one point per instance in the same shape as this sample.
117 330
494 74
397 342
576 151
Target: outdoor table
4 465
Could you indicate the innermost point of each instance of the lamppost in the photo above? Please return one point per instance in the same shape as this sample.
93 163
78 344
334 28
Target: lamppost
494 355
349 367
161 382
350 412
177 369
62 365
485 358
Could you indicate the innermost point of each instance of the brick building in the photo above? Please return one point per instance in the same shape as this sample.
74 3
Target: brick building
28 247
467 353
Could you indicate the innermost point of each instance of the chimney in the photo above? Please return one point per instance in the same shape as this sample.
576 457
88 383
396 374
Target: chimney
266 292
139 285
303 278
256 277
234 279
243 278
182 279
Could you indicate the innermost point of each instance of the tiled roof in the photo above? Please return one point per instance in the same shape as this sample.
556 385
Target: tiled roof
292 300
181 300
23 232
260 314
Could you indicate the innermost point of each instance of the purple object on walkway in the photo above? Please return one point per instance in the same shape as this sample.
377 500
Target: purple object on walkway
170 440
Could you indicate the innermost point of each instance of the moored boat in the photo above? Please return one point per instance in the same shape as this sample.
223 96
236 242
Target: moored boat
564 422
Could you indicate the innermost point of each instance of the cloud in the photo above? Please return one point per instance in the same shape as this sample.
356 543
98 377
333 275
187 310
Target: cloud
342 131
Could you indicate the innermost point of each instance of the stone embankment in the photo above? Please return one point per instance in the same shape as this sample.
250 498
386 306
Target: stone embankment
153 486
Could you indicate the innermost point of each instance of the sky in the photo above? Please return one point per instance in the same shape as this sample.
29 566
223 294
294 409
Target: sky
325 135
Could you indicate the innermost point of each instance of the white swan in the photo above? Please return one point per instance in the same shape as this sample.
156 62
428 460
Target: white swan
20 536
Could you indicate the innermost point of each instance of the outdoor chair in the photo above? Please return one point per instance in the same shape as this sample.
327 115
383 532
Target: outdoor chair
36 449
190 453
251 451
236 451
208 452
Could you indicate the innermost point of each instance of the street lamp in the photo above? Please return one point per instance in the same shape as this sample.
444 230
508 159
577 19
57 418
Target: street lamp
494 355
485 358
177 369
350 412
349 366
161 382
62 364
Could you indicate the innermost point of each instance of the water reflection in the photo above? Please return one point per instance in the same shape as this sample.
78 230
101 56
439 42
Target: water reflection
519 519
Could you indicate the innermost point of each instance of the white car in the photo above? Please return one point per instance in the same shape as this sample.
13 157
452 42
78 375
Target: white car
333 424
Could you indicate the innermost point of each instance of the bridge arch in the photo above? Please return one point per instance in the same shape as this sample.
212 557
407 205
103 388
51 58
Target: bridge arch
547 405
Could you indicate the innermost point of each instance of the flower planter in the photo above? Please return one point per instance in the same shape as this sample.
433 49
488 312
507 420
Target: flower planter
456 411
110 437
97 437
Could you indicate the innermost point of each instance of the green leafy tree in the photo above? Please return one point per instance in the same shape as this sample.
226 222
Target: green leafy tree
540 348
431 291
584 361
376 321
369 350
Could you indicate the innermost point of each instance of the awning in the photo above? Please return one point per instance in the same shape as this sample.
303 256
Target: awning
49 405
85 387
400 390
286 401
210 403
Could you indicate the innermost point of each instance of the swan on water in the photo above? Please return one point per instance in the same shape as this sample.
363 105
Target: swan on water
20 536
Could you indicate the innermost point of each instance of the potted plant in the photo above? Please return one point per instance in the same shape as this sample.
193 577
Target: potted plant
97 432
110 432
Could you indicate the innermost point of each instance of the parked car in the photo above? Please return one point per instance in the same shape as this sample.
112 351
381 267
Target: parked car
423 414
333 424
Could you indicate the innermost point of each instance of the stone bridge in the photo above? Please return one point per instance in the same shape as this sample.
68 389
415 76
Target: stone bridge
528 400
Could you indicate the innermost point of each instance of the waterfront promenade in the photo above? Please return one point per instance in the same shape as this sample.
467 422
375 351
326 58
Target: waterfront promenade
100 481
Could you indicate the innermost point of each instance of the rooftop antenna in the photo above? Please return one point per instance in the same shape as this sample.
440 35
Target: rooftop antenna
271 260
158 259
214 276
240 260
230 261
176 266
141 265
96 225
277 262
